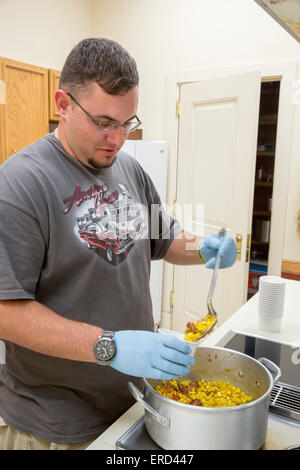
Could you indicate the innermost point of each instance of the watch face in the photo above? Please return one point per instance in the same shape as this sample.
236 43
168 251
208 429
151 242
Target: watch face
105 349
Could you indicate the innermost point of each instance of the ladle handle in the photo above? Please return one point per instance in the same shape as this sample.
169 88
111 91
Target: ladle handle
222 234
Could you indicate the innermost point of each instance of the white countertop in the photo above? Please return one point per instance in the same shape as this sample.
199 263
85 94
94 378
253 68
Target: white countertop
245 320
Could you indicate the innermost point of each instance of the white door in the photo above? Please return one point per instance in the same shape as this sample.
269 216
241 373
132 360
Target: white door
218 127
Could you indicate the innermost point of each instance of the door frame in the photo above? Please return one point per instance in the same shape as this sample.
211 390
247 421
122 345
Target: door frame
286 72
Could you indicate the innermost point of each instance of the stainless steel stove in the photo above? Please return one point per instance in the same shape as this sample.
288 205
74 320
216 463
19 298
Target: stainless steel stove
137 438
285 396
284 417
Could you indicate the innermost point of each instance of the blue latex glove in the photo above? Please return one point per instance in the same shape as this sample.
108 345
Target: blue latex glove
151 355
211 245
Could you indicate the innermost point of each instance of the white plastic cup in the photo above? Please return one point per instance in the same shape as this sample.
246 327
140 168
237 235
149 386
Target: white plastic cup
166 331
272 283
271 324
271 302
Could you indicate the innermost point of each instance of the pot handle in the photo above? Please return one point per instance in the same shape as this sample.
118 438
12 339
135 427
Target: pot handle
273 368
138 395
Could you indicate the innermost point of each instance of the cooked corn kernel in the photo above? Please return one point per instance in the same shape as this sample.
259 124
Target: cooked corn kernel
202 393
194 330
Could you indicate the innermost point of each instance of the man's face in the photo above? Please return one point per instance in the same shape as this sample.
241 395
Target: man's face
84 139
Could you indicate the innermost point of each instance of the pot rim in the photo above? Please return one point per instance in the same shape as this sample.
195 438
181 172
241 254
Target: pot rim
208 409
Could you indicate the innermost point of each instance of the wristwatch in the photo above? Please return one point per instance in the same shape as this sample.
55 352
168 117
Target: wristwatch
105 348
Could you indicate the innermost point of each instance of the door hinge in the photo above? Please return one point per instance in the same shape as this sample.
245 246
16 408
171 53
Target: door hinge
172 298
178 108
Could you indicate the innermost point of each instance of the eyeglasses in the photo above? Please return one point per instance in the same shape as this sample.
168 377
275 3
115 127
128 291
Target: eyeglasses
107 127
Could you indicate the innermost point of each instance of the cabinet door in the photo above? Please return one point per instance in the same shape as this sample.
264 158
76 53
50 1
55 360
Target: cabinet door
53 86
24 108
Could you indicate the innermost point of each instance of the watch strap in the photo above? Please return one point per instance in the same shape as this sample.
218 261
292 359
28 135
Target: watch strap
107 334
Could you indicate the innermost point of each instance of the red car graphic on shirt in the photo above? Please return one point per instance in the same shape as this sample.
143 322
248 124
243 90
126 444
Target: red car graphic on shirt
114 236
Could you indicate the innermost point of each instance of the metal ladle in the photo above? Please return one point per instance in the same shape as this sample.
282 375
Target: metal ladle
211 310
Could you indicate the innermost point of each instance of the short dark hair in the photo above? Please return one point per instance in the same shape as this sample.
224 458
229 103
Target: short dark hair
103 61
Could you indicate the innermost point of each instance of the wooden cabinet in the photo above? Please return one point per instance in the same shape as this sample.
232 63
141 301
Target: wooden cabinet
265 163
24 114
27 105
53 86
263 190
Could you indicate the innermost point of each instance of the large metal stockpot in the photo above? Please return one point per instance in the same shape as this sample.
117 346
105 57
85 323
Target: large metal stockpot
175 425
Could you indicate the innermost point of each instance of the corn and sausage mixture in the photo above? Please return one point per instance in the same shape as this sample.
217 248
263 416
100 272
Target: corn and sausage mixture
202 393
194 330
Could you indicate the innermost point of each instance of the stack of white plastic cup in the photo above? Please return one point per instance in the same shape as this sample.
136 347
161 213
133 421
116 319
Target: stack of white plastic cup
271 302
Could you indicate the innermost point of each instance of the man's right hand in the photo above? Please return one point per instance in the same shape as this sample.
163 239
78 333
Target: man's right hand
151 355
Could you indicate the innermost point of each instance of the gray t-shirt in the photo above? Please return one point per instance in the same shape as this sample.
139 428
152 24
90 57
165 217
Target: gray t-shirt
79 241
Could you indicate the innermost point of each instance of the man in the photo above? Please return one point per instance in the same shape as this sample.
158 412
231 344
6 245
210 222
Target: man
75 308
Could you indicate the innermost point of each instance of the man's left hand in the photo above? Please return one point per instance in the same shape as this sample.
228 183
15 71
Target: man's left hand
211 245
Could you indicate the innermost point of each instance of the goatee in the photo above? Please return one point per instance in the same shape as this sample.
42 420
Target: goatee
97 166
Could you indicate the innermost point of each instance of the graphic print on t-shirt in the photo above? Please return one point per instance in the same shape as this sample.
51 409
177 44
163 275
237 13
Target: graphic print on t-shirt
108 222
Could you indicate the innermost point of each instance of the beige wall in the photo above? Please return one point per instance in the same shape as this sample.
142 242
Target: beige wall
165 36
169 35
42 32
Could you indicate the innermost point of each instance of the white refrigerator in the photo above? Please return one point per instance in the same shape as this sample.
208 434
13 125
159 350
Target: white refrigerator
153 157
